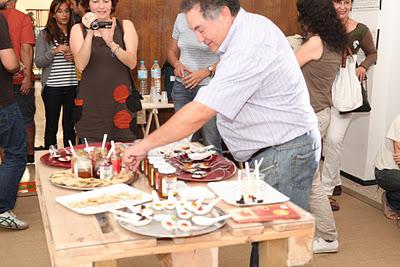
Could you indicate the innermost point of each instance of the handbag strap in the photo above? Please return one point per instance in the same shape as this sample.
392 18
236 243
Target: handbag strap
345 52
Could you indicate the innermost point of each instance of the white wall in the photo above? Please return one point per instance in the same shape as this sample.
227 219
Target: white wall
23 5
366 132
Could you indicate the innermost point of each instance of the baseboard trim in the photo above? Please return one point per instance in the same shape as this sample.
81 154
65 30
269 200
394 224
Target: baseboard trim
357 180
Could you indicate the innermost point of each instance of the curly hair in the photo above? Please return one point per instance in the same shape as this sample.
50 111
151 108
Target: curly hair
319 17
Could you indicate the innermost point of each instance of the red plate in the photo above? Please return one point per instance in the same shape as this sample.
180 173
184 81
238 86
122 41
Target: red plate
54 162
220 169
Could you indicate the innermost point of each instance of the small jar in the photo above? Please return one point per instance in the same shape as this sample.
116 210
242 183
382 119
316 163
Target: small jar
168 181
116 162
158 165
105 169
83 166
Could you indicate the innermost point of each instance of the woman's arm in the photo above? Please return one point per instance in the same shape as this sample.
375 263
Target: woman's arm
43 55
368 46
81 47
173 55
128 56
311 50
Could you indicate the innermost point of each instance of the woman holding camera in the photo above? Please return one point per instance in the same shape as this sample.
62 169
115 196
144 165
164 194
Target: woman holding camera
59 81
105 55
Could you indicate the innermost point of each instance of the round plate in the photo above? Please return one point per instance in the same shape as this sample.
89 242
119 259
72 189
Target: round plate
221 168
155 228
130 181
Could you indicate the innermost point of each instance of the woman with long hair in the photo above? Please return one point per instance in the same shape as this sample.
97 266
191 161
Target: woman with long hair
359 37
319 58
59 82
106 92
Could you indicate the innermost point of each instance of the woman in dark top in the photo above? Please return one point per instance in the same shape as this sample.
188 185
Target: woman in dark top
105 57
359 37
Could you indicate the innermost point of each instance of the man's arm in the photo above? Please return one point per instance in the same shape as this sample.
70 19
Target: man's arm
9 60
27 60
185 122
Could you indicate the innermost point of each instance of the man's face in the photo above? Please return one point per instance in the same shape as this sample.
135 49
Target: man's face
211 32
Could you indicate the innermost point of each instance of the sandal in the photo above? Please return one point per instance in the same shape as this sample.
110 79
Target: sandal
387 211
334 204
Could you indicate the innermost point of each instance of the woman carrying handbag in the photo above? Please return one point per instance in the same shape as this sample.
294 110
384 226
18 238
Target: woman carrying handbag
359 37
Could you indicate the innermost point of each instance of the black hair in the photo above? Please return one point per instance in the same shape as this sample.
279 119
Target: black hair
319 17
209 7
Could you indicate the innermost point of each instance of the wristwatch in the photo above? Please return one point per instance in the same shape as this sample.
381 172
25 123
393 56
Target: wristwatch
211 70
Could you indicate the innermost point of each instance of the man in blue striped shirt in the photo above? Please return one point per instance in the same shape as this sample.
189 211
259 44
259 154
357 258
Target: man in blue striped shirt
258 94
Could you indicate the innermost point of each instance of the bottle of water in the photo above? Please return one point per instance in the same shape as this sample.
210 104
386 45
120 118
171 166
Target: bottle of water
142 78
156 76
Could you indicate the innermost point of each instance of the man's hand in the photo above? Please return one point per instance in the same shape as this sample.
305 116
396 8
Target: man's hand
134 154
26 85
193 79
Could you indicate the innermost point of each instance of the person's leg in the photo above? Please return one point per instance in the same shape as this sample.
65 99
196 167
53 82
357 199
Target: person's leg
69 94
390 181
333 145
52 99
13 142
290 169
319 202
26 104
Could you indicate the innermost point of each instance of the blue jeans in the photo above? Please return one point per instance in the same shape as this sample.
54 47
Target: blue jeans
13 142
389 179
209 132
290 168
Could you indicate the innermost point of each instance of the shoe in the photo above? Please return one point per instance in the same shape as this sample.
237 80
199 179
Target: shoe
337 191
322 246
30 159
10 221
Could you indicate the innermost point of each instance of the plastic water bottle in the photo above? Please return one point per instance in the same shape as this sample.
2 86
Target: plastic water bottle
156 76
142 77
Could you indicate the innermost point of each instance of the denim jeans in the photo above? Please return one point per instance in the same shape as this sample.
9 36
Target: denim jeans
389 179
209 132
13 142
290 168
54 98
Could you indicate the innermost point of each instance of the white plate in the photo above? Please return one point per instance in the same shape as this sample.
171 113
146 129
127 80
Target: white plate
200 156
193 192
111 190
227 190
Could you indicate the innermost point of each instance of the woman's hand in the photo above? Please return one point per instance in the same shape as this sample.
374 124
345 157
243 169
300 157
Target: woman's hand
193 79
68 55
108 34
360 72
61 49
180 70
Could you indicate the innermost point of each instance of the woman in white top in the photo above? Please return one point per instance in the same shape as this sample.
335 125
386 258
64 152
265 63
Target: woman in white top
387 170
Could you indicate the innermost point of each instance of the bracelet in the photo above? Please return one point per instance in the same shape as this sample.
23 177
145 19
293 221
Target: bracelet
115 51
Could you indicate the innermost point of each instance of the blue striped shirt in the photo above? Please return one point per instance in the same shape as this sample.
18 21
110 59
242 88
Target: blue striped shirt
258 89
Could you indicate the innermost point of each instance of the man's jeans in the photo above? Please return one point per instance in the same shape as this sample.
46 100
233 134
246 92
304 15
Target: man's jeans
290 168
209 131
13 142
389 179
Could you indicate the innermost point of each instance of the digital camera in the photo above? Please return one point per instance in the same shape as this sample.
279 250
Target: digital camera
100 24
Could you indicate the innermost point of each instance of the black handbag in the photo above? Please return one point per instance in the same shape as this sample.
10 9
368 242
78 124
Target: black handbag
365 107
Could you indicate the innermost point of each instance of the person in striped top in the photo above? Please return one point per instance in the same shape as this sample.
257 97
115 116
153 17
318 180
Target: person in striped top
59 81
